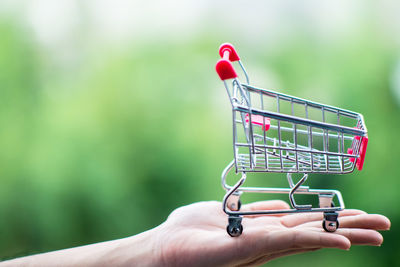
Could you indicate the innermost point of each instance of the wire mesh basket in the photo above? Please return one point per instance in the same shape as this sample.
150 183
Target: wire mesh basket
274 132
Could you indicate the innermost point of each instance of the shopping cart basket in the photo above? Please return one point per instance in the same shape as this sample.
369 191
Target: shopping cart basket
275 132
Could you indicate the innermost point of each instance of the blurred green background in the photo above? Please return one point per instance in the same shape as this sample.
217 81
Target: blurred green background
112 115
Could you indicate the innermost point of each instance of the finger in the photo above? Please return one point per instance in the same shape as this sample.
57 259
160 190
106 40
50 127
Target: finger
304 239
363 221
366 221
361 236
266 205
298 238
301 218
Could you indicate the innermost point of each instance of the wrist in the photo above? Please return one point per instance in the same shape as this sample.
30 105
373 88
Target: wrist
138 250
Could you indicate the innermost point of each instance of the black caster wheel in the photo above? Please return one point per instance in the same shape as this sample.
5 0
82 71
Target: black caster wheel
330 222
235 227
234 231
330 226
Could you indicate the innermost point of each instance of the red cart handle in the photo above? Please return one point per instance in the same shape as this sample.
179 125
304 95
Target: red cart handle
363 149
227 51
224 66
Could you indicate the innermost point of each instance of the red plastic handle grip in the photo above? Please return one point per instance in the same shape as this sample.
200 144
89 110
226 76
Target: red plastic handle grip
224 66
228 52
363 150
225 69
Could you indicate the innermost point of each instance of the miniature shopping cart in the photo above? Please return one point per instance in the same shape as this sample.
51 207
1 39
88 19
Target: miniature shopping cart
275 132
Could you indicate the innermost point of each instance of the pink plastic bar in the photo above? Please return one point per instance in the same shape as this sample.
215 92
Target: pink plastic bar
363 151
259 120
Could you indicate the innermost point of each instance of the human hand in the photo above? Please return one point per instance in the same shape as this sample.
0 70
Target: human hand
195 235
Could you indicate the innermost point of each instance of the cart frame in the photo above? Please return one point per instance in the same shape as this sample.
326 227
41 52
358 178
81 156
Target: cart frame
295 143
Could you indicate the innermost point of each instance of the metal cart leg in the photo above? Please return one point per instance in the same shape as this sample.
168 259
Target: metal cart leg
231 202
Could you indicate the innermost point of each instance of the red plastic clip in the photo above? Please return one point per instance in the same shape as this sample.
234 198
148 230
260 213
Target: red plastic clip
259 120
225 69
231 52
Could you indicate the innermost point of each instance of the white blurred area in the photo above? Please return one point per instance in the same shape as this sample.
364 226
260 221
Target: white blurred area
55 22
66 29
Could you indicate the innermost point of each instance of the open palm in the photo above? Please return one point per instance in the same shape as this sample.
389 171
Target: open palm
195 235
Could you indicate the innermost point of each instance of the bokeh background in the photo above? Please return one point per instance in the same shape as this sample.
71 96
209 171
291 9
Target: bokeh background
112 115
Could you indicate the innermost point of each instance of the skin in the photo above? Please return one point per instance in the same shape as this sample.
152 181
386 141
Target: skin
195 235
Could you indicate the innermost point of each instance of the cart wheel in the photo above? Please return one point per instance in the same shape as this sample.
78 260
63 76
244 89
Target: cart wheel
330 222
330 226
234 231
235 227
